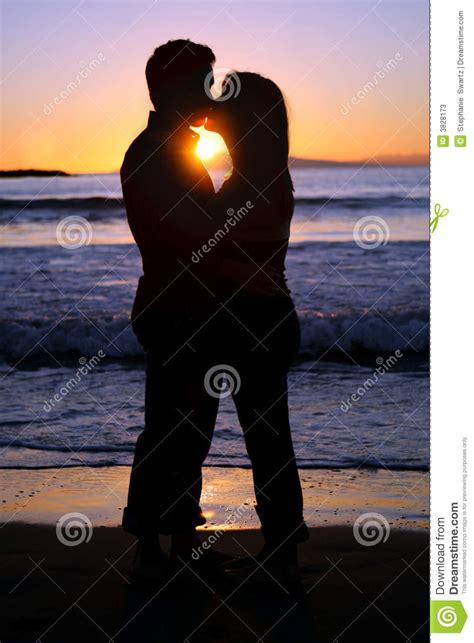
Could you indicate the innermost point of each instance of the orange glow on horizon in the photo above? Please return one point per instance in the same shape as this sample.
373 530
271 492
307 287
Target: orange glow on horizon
78 103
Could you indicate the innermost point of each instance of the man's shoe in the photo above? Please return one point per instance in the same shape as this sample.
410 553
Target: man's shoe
149 568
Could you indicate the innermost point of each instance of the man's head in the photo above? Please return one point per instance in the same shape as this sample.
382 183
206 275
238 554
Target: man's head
176 75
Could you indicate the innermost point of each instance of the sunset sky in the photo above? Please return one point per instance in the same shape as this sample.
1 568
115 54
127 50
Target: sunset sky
322 54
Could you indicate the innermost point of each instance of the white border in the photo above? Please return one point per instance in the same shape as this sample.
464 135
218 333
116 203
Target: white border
452 264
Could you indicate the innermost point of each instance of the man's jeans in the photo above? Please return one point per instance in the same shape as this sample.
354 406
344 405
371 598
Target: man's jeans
256 345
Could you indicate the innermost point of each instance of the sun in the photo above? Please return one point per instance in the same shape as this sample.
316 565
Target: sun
206 149
209 145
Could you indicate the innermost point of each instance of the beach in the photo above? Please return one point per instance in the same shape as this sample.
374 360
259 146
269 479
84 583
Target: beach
58 591
55 593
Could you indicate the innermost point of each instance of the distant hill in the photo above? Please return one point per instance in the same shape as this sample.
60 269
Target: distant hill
409 159
224 162
297 162
12 174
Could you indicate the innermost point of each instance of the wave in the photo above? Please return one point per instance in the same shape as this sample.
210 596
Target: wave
364 333
108 459
92 208
96 448
105 206
72 203
321 333
366 202
397 466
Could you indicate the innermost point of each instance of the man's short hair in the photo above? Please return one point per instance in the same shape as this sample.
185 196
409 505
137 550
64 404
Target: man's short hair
175 60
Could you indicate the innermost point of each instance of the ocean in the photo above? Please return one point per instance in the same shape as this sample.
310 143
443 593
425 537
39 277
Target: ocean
358 269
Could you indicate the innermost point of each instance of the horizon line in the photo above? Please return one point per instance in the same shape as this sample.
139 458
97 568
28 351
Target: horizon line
293 160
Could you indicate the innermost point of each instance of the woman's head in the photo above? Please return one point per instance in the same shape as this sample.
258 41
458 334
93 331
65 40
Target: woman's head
251 115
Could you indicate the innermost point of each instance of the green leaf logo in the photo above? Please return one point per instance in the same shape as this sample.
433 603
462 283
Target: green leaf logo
447 617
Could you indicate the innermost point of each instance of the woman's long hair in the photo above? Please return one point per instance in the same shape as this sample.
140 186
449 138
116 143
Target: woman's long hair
260 123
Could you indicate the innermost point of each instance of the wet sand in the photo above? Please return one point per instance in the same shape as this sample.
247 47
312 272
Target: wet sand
331 496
